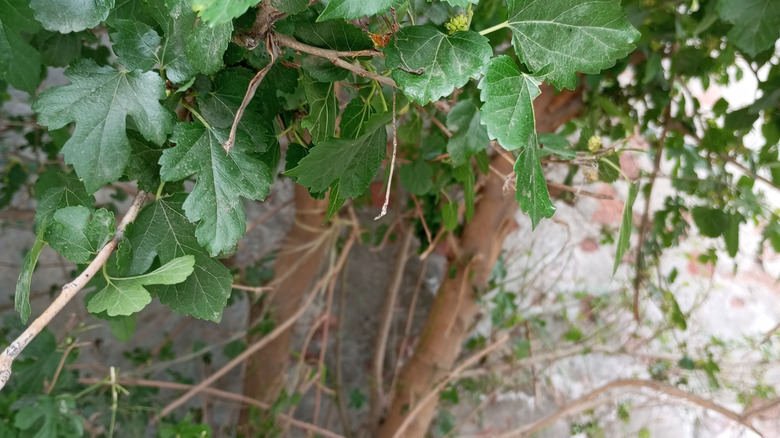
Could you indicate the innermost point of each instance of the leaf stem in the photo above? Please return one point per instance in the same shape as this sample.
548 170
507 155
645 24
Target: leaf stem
494 28
197 115
158 193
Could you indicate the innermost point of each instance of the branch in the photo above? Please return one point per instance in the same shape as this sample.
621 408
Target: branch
250 93
335 56
584 402
451 376
254 348
68 292
377 399
217 393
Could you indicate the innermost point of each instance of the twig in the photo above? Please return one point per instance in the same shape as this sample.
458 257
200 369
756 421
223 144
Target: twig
250 93
643 226
266 339
392 165
578 405
383 330
217 393
422 218
240 358
48 388
253 289
452 375
271 213
324 345
335 56
69 291
345 424
577 191
407 330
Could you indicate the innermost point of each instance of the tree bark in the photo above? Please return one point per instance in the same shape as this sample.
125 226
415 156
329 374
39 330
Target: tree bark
296 267
455 307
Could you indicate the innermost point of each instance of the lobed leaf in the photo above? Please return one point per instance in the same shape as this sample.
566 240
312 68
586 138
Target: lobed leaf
20 63
79 232
99 100
429 65
569 36
756 23
162 231
66 16
125 296
222 179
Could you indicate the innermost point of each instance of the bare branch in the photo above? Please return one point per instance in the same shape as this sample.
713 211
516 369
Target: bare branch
68 292
585 402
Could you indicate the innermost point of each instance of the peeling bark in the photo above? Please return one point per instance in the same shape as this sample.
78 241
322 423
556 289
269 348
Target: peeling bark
455 307
296 267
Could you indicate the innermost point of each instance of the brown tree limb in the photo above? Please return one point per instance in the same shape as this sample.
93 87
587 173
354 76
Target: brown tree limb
297 265
335 56
480 246
584 403
68 292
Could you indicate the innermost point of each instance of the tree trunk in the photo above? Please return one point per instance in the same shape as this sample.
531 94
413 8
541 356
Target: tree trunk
296 267
455 307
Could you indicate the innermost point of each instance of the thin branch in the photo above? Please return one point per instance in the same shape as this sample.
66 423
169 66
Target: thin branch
48 388
377 399
250 93
422 218
584 402
335 56
451 376
68 292
217 393
253 289
342 408
392 165
577 191
264 340
644 224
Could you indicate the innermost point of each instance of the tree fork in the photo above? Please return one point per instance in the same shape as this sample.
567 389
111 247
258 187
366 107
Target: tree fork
455 306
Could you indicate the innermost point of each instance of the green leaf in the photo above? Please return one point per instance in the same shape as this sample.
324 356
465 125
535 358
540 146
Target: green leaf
674 313
56 49
461 3
135 43
554 144
531 186
122 327
417 177
221 11
22 294
731 235
351 9
449 213
323 70
469 135
20 63
465 176
125 296
66 16
162 231
222 179
78 232
624 238
429 65
143 167
332 34
55 190
609 173
189 46
335 202
352 162
570 36
508 111
323 108
99 100
290 6
712 222
354 118
756 23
